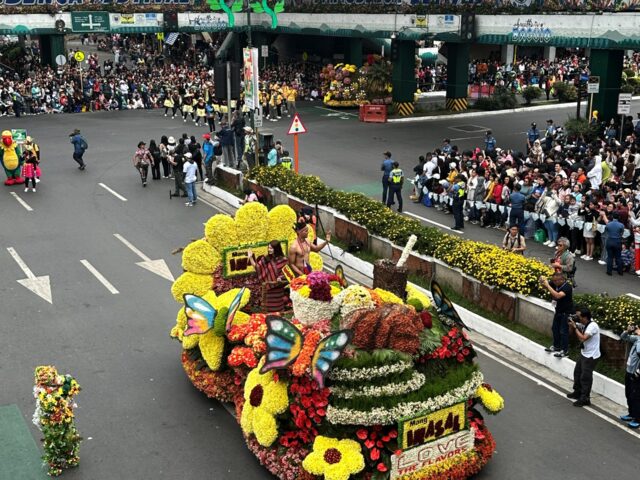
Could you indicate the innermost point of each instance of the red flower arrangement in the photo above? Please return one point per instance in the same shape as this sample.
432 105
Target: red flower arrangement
218 385
242 356
308 407
455 344
284 463
377 445
221 285
302 363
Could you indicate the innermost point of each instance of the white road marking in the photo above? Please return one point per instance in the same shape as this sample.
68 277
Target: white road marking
432 222
113 192
633 296
159 267
100 277
337 111
606 418
21 202
41 286
478 128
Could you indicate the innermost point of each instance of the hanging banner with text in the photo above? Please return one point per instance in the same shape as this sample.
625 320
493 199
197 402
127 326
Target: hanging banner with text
250 69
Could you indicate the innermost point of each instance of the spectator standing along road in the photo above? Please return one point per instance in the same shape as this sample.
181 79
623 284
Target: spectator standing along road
588 333
386 167
562 294
189 169
396 181
632 376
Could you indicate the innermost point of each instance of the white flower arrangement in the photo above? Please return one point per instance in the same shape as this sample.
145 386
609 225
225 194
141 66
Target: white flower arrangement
390 389
383 416
309 311
354 297
355 374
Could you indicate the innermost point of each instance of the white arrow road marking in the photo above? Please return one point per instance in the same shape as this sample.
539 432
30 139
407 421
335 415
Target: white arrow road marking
100 277
41 286
113 192
159 267
21 202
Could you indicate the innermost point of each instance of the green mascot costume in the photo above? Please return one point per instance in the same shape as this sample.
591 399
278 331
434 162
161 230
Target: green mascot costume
10 156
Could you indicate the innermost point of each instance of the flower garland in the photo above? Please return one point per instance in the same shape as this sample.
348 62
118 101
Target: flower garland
390 389
334 459
222 386
54 417
265 396
491 400
387 416
357 374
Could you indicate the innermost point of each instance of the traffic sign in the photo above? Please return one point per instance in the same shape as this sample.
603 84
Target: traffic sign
257 117
593 84
296 126
89 22
624 103
264 51
19 135
79 56
61 60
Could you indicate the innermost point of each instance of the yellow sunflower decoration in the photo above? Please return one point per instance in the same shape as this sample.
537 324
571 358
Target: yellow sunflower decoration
334 459
264 398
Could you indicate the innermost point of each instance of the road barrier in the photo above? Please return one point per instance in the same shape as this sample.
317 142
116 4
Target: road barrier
373 113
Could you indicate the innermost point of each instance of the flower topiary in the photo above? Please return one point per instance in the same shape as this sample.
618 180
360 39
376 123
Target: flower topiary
252 223
220 231
200 257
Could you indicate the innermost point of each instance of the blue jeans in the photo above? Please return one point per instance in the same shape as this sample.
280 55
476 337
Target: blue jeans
560 330
385 188
191 191
517 217
552 230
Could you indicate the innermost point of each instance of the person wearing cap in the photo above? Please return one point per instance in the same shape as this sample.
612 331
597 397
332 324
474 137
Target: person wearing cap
141 161
489 142
189 170
386 167
533 134
207 150
80 146
549 134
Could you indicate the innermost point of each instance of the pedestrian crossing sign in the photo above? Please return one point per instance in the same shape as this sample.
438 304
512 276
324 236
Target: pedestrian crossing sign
296 126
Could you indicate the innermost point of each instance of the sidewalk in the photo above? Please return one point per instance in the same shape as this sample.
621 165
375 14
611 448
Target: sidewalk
608 395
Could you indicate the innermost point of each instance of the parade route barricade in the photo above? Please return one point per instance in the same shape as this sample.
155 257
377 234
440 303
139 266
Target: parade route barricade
373 113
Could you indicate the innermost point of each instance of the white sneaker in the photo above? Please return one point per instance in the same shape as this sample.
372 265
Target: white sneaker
588 258
26 189
33 189
188 204
206 180
637 272
37 180
547 242
602 262
185 120
578 252
552 244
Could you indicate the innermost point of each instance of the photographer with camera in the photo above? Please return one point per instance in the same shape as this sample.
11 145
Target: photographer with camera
588 333
562 294
632 376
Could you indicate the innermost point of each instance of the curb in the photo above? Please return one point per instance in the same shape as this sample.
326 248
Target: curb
431 118
602 385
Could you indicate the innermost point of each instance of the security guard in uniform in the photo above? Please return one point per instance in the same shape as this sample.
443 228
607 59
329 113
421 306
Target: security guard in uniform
459 194
286 161
396 180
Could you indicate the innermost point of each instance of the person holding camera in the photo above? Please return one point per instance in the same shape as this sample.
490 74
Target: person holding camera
562 294
588 333
632 376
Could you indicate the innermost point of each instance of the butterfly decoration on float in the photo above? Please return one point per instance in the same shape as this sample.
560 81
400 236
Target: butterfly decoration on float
285 342
202 316
444 306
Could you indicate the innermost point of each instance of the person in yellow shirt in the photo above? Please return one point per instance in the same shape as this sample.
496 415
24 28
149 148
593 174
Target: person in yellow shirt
291 100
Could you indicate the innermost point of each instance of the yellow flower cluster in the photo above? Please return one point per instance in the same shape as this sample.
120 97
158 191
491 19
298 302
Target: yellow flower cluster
200 257
387 296
315 260
491 400
193 283
492 265
416 297
281 219
334 459
220 231
264 398
252 223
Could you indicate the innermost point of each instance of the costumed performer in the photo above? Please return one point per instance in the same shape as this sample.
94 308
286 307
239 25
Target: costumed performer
299 250
10 158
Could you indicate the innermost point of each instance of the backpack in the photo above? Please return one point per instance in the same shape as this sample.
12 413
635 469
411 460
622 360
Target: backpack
83 144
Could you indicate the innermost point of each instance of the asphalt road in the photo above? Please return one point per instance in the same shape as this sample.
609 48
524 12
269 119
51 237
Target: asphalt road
138 413
347 155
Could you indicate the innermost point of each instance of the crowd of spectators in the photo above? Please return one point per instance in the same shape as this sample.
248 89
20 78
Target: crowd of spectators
561 189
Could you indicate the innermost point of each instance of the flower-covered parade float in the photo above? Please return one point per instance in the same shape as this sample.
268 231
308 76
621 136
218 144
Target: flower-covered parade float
345 381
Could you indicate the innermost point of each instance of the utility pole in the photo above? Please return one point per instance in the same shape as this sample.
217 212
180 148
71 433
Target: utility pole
579 97
252 113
